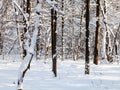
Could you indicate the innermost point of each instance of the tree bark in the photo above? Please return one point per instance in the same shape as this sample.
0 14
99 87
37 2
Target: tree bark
97 33
26 9
62 29
1 43
25 65
53 35
87 61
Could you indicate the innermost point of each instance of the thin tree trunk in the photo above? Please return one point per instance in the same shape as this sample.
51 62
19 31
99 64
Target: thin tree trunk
73 30
87 61
97 32
24 31
62 28
1 43
116 42
38 46
108 41
53 34
104 57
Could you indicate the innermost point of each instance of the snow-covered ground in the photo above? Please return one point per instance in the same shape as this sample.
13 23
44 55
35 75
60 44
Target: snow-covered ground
70 76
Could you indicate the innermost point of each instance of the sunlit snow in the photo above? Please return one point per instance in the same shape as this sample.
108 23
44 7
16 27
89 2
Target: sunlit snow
70 76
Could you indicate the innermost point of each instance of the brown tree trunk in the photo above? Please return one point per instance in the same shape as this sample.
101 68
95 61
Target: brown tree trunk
97 32
53 35
87 61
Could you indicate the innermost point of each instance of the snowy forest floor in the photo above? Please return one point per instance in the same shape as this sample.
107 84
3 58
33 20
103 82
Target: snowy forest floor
70 76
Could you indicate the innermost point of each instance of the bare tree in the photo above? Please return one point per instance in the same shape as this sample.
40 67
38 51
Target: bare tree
87 61
97 33
62 29
26 9
1 43
3 14
53 35
25 65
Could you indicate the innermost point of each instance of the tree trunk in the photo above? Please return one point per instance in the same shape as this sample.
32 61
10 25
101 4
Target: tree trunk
25 65
24 52
115 48
26 9
104 30
62 29
73 30
87 61
97 33
1 43
53 35
38 46
108 41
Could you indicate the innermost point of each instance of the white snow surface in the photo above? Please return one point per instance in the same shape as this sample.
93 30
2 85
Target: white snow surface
70 75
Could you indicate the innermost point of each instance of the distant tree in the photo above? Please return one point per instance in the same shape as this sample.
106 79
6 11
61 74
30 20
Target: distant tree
22 32
108 48
3 15
97 33
38 44
26 5
1 43
116 43
87 61
53 35
62 29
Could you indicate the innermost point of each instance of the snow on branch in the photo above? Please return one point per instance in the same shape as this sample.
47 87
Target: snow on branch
53 5
25 65
40 10
25 17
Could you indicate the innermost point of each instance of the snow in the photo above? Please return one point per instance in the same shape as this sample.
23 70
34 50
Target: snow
70 75
28 57
25 15
52 4
1 3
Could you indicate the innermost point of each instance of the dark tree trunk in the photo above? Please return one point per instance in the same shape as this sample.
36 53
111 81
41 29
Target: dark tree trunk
1 43
97 32
25 30
62 28
87 61
53 35
26 9
38 46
